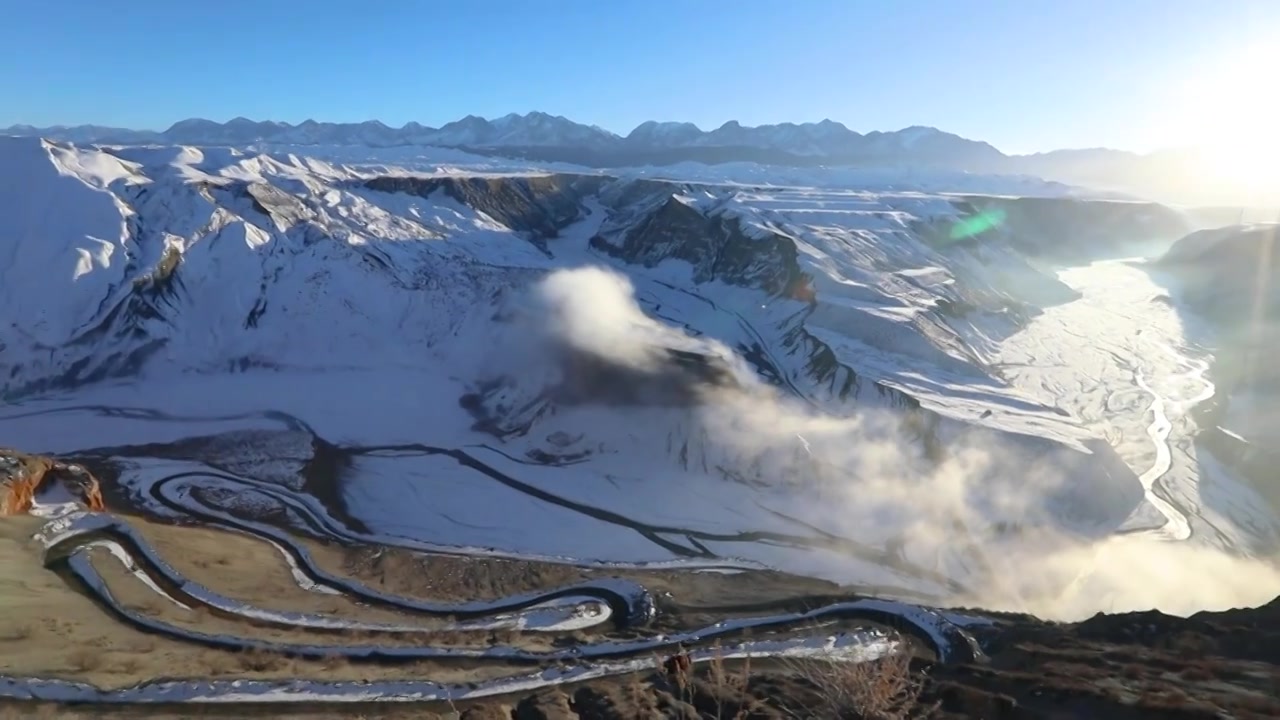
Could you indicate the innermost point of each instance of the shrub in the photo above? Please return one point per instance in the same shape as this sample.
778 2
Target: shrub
882 689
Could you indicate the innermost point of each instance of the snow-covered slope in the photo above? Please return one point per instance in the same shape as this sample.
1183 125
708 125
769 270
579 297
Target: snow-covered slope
711 361
1225 280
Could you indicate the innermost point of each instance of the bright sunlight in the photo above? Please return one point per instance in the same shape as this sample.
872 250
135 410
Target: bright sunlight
1230 109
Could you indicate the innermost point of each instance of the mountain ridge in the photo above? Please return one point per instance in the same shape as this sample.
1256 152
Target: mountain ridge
1169 176
533 129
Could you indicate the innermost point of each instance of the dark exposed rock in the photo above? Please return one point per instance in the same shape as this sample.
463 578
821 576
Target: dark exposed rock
281 207
717 248
545 705
486 712
539 205
677 379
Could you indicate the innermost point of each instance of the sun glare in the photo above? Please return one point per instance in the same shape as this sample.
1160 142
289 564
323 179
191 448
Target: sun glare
1230 109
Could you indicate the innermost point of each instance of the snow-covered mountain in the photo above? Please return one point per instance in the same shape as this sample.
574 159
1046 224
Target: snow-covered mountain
826 140
1171 176
825 368
531 130
155 207
548 137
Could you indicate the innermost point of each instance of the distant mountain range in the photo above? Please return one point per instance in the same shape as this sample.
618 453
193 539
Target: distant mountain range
1171 176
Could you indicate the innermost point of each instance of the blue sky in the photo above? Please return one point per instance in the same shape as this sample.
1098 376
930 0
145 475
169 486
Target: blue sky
1025 75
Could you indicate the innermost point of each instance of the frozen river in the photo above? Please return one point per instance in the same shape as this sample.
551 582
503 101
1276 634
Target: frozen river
1125 363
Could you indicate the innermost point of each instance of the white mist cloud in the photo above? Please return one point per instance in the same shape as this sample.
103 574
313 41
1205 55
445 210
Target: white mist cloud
594 310
868 478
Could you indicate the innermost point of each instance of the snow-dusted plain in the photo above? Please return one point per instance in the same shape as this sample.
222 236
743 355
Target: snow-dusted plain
821 370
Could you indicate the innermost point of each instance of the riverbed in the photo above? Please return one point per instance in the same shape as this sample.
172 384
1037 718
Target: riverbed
1129 367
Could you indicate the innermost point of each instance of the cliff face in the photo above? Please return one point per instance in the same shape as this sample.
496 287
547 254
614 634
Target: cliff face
540 205
717 248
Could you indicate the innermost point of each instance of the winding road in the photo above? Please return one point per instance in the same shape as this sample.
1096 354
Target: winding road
71 536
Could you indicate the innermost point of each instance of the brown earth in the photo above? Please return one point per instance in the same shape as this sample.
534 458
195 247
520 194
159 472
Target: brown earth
48 628
1131 666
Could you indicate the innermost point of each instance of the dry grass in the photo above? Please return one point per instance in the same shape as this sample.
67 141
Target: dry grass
333 662
29 712
129 665
151 607
11 631
1197 673
883 689
261 660
1193 644
1261 704
85 658
144 644
219 662
1133 671
640 696
733 685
